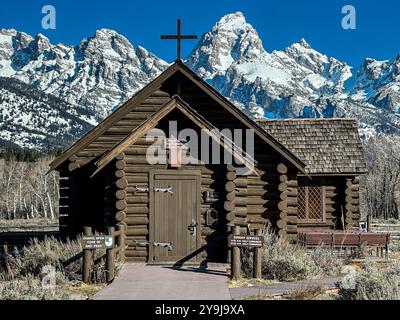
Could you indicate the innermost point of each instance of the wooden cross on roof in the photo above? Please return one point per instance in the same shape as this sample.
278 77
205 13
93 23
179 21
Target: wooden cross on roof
178 37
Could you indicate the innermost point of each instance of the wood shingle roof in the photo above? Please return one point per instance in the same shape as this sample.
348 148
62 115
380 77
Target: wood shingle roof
326 146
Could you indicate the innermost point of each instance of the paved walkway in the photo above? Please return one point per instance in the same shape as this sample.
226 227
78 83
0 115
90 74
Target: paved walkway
283 288
144 282
147 282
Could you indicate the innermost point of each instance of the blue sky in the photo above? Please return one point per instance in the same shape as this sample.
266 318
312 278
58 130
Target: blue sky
279 23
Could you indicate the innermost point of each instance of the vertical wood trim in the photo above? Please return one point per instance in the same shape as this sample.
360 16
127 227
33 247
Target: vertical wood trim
199 230
151 216
306 199
323 200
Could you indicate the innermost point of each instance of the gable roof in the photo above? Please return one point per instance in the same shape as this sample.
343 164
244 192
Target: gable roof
327 146
155 85
176 103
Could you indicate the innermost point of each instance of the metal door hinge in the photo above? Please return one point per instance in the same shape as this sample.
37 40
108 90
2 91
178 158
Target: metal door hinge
141 189
164 245
165 190
141 244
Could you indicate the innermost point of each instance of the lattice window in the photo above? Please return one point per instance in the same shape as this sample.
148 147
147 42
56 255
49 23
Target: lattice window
310 200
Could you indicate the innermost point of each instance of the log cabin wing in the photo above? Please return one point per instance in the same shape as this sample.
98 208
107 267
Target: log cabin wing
303 174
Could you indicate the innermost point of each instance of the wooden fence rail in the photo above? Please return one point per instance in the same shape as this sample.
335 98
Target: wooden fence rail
118 248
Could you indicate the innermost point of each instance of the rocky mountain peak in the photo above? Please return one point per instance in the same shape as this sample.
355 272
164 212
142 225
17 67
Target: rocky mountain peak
230 40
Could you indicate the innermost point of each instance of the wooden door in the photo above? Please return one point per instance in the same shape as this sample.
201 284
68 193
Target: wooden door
175 205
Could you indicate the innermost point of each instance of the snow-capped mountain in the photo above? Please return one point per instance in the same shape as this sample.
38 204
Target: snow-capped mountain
99 74
32 119
296 82
103 71
378 82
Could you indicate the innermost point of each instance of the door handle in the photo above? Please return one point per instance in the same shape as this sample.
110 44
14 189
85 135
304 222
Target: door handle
193 227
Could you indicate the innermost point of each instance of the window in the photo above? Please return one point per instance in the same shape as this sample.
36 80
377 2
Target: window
311 201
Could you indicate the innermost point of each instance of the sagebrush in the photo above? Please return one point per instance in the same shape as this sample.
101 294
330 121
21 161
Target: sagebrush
372 282
283 261
21 272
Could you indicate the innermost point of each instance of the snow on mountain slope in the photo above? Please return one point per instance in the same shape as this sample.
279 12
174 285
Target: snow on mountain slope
296 82
378 82
32 119
99 74
231 57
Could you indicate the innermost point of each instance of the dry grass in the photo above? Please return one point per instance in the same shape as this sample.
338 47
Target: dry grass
302 293
283 261
244 282
305 293
21 274
27 222
373 282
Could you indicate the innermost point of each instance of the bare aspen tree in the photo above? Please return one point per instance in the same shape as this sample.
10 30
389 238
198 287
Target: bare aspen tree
381 194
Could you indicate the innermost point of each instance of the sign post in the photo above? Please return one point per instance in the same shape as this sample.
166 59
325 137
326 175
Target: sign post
257 257
237 241
235 267
87 257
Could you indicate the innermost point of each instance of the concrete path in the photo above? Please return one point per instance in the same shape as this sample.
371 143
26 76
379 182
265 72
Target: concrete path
283 288
146 282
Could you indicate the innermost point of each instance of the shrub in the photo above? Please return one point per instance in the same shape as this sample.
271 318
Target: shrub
39 254
328 263
372 283
284 261
29 288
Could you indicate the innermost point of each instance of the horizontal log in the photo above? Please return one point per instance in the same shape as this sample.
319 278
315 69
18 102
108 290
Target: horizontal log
240 222
243 201
120 156
73 166
132 220
121 183
283 178
132 231
230 186
282 187
282 205
281 224
137 199
138 178
256 219
241 182
282 233
230 196
291 220
283 215
120 216
291 238
121 205
241 212
120 194
230 216
138 115
230 175
119 173
229 206
143 160
292 183
282 169
135 253
131 209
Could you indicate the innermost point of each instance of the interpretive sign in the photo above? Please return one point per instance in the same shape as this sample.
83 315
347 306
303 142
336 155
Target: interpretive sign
97 242
246 241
